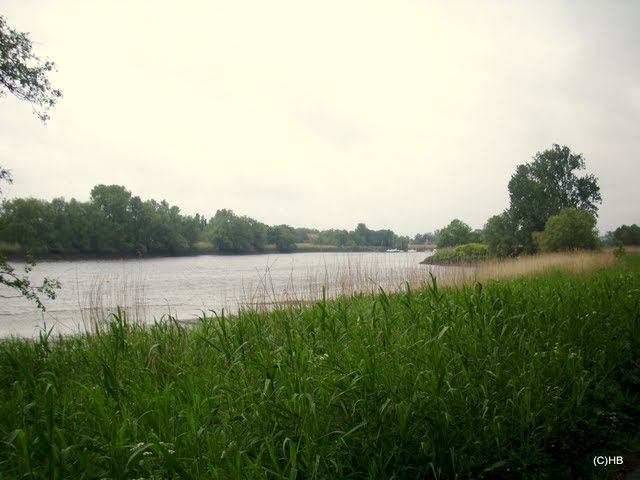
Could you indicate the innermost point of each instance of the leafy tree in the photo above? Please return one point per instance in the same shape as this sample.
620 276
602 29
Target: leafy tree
402 242
283 237
608 239
334 237
21 282
25 221
499 235
429 237
381 238
476 236
232 234
456 233
32 234
24 74
627 234
540 189
571 229
115 218
361 234
81 226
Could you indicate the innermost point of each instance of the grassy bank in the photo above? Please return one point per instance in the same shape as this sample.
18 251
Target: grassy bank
468 253
521 378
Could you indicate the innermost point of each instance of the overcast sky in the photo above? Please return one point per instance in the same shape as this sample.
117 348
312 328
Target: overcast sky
401 114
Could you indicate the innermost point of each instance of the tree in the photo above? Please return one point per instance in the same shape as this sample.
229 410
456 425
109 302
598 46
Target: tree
608 239
283 237
24 74
540 189
382 238
232 234
627 234
361 234
456 233
499 235
571 229
20 281
112 218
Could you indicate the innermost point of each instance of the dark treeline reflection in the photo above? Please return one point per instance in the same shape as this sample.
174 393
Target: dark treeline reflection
115 221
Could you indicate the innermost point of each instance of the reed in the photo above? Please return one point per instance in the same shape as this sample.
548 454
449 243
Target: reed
106 295
357 276
512 378
579 261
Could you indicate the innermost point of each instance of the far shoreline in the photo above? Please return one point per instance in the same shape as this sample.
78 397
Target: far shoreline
302 248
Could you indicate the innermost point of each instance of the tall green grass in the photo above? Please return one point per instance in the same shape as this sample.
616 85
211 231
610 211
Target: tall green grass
523 378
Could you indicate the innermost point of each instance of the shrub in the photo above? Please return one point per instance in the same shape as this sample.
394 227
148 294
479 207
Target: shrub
571 229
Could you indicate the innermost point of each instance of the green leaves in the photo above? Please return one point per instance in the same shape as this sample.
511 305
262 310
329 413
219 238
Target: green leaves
571 229
22 283
24 74
456 233
540 189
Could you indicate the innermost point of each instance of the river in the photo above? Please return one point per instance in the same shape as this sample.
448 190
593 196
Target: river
186 286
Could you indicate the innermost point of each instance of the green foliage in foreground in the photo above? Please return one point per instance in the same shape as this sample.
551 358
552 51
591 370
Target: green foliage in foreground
467 253
517 379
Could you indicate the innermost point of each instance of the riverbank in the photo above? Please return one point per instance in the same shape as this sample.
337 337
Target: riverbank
533 376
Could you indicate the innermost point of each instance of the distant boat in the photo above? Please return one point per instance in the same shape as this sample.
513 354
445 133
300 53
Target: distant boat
393 250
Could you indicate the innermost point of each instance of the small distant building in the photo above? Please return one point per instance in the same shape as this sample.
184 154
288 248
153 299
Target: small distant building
311 237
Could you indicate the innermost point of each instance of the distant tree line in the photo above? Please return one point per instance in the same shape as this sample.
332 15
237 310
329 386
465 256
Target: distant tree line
114 221
429 238
623 235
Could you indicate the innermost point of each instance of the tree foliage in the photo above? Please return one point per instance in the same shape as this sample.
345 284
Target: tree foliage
113 221
499 235
456 233
12 279
542 188
24 74
627 235
428 237
283 237
571 229
229 233
20 281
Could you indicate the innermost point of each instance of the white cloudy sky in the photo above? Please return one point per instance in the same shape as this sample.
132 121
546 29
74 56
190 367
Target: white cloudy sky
401 114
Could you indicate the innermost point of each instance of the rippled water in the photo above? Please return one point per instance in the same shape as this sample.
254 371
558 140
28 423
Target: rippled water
186 286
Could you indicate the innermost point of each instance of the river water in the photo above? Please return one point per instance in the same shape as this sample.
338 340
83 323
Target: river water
187 286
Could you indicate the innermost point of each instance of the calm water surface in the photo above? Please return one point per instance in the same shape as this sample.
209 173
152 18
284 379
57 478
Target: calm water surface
187 286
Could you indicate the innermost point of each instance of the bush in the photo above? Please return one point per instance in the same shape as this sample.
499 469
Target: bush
571 229
469 252
472 250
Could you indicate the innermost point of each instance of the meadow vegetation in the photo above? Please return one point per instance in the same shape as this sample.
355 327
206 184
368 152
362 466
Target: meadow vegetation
501 378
